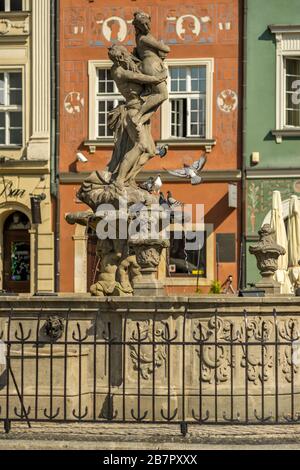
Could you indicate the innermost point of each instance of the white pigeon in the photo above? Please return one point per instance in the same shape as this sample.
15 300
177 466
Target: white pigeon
157 184
191 171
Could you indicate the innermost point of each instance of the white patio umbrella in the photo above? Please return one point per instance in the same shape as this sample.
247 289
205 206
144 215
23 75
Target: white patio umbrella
294 239
277 223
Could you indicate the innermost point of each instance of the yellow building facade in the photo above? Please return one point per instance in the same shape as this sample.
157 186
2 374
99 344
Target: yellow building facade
26 248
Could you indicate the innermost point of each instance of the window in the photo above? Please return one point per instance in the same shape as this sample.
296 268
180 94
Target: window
107 98
292 86
11 116
187 97
187 114
11 5
187 254
287 80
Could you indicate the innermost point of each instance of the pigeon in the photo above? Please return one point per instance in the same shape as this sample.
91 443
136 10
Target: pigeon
148 185
162 199
172 202
191 171
157 184
152 185
162 151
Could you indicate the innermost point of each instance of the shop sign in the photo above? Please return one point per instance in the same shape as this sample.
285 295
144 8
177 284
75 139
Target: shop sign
10 191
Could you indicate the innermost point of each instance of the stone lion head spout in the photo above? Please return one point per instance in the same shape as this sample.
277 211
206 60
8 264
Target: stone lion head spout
54 327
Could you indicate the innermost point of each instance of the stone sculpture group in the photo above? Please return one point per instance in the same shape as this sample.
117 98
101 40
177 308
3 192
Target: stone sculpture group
129 265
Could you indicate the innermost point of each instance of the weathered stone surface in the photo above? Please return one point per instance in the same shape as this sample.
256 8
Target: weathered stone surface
267 252
80 436
141 78
228 343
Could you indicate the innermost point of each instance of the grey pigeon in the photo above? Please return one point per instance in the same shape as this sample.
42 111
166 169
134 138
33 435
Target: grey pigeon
148 185
162 199
191 171
162 151
172 202
152 185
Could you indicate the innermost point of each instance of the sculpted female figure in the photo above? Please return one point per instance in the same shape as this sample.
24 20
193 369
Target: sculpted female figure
151 52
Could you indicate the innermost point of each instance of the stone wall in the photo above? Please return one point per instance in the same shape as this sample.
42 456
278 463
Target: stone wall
187 359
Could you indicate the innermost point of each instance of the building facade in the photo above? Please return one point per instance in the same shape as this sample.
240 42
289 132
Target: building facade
271 113
26 248
201 116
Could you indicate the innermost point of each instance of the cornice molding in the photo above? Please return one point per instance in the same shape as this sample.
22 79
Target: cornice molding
14 26
284 28
280 133
206 144
272 173
208 176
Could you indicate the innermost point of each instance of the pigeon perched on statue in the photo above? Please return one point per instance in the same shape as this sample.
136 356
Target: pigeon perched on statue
162 199
191 172
148 185
157 184
172 202
152 185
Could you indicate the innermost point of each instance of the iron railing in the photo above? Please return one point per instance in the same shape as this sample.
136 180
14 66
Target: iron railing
185 368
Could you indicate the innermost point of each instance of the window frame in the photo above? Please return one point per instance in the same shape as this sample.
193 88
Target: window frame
187 275
105 97
7 108
93 67
187 95
186 280
285 58
287 46
7 7
166 106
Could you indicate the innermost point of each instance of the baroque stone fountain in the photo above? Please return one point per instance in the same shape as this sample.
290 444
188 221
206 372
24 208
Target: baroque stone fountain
123 214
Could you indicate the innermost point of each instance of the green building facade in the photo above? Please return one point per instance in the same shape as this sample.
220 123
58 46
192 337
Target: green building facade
271 116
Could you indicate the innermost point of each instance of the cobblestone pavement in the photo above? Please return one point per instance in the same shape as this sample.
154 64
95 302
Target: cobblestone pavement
120 437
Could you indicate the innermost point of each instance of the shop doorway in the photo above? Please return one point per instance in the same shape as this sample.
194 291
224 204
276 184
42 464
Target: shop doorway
16 254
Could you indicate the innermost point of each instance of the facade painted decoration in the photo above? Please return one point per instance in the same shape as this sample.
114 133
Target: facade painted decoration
227 101
114 29
74 102
198 22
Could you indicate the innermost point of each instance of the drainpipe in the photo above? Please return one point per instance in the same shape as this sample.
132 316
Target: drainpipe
55 128
243 143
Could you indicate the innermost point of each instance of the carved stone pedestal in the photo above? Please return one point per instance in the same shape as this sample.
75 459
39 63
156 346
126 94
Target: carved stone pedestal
271 287
148 253
267 252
